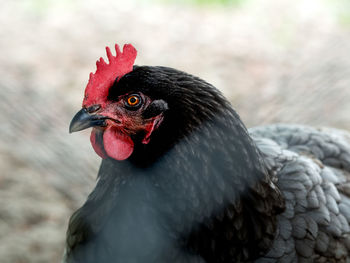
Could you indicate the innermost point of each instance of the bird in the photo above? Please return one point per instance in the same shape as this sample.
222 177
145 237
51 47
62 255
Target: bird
183 180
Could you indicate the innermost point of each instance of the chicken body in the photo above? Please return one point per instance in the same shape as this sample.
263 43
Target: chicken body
204 189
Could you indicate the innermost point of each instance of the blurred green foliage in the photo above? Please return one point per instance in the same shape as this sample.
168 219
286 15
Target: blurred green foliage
40 7
344 14
206 2
341 8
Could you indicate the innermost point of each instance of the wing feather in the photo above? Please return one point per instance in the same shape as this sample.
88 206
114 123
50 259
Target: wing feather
313 170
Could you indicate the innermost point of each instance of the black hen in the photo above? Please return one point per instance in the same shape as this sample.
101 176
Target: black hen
189 184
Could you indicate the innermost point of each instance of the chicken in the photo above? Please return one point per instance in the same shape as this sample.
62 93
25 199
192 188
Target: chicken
183 180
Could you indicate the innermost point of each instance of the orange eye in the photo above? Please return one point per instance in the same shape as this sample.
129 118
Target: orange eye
133 100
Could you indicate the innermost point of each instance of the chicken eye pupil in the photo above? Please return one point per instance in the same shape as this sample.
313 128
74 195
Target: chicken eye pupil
133 101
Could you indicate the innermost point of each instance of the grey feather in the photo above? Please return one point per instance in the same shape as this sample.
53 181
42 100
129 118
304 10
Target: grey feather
285 227
279 247
334 227
344 224
312 200
312 227
345 210
315 182
289 211
321 215
332 204
305 247
331 189
320 194
299 227
322 242
328 175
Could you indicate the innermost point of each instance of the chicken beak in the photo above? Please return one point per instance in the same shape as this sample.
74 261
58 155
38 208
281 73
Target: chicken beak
83 120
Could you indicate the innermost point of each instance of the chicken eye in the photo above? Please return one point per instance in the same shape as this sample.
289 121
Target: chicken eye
133 101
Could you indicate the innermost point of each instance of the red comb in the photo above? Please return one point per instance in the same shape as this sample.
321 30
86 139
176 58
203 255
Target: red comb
96 90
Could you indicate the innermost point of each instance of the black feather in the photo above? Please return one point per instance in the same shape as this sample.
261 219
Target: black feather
200 191
155 108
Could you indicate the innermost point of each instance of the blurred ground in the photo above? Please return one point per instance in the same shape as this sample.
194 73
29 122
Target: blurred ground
277 61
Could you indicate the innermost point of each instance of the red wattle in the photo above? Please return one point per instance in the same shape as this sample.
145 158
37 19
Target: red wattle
117 145
97 146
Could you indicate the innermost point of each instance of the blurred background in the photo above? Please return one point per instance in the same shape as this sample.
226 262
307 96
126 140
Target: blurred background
276 60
